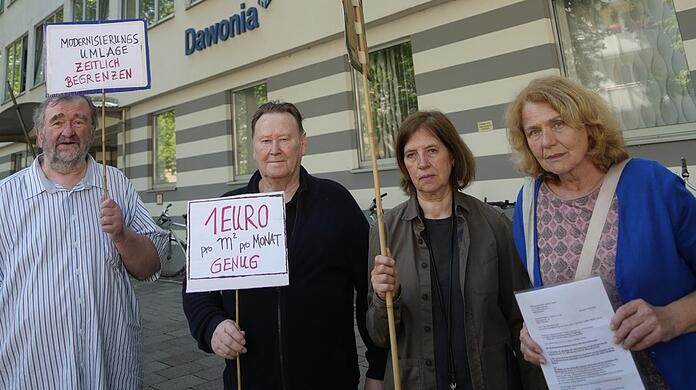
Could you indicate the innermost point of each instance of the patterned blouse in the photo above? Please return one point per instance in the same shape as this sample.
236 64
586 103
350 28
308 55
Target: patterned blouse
562 224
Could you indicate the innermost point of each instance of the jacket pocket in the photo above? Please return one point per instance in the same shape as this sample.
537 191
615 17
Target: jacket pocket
495 367
411 374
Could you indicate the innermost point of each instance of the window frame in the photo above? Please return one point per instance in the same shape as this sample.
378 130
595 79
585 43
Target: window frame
156 184
647 135
137 13
22 65
37 57
235 174
364 158
97 12
18 161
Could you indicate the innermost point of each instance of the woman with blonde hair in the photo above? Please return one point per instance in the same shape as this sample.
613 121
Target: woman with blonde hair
566 139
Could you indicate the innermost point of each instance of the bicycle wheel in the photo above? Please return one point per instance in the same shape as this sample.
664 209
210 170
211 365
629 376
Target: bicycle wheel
175 262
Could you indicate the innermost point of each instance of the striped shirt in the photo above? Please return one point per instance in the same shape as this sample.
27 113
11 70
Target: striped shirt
69 318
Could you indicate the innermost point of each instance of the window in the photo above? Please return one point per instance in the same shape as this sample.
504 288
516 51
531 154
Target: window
152 10
16 66
631 53
244 104
90 10
39 76
19 161
392 94
164 148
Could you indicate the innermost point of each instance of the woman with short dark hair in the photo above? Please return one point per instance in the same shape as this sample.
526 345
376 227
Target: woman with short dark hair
452 269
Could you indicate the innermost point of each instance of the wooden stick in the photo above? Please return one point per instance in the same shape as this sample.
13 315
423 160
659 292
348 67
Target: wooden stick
103 123
239 356
378 198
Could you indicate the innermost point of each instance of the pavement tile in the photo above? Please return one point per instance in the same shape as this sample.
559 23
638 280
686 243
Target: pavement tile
183 382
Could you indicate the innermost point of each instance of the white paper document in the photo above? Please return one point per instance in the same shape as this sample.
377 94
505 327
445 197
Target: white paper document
570 322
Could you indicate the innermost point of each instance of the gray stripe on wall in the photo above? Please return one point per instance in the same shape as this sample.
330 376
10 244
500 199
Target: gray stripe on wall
6 158
324 105
201 132
499 19
188 193
667 153
138 171
325 143
308 73
203 103
144 145
467 121
333 142
687 24
493 68
487 167
205 161
136 122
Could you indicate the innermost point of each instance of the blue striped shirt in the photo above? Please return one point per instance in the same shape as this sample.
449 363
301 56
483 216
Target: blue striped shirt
69 318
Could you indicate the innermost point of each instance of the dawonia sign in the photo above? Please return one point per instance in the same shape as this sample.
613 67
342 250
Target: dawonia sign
246 19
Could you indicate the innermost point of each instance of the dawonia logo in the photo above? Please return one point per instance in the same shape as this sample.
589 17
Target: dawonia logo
246 19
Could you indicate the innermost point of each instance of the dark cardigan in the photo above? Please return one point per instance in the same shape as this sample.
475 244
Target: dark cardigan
301 336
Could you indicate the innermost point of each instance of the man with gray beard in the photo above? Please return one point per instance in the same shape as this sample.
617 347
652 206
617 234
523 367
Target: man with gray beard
70 318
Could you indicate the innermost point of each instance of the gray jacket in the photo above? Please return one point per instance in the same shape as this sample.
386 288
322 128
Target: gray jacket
490 271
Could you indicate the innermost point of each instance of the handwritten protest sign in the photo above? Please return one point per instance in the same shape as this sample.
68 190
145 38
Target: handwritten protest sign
97 56
237 242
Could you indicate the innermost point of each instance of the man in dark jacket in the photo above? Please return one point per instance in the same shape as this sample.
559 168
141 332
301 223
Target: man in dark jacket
298 337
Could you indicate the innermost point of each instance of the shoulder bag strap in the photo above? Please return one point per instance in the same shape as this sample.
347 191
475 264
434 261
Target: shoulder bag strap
528 224
598 219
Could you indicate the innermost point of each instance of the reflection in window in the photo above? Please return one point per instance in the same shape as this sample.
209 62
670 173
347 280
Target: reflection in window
16 66
244 104
631 53
152 10
392 94
90 9
39 48
164 148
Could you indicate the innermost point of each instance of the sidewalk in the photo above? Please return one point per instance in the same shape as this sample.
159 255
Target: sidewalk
172 358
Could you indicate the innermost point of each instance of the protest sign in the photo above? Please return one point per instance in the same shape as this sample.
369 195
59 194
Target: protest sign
237 242
100 56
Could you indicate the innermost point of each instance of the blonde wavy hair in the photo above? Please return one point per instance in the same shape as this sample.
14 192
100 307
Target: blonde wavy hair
579 108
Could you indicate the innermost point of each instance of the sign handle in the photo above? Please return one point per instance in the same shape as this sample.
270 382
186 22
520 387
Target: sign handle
378 198
239 356
103 123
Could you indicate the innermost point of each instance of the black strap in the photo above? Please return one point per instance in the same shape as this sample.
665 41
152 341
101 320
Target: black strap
451 369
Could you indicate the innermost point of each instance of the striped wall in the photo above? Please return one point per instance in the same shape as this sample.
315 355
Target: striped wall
470 59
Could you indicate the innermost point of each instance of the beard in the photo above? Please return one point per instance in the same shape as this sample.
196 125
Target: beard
68 160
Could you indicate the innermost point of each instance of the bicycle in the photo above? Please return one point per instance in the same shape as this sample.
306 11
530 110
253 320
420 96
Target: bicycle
174 263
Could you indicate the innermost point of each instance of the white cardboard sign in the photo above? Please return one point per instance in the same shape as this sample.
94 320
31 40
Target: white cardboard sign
85 57
237 242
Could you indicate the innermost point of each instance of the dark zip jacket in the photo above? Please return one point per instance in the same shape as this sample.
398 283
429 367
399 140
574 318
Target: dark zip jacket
301 336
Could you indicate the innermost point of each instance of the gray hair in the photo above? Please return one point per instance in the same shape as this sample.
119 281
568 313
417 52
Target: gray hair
51 101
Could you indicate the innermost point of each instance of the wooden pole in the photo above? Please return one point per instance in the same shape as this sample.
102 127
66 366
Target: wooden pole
239 356
103 123
378 197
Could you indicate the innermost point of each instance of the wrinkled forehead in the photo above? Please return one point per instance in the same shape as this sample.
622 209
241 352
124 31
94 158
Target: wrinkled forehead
68 108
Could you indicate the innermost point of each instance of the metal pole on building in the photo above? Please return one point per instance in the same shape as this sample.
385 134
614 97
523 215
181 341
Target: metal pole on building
355 27
21 119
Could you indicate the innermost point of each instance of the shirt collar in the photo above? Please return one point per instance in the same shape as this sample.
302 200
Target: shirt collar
37 182
413 209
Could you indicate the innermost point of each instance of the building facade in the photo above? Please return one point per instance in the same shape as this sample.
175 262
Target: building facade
214 61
